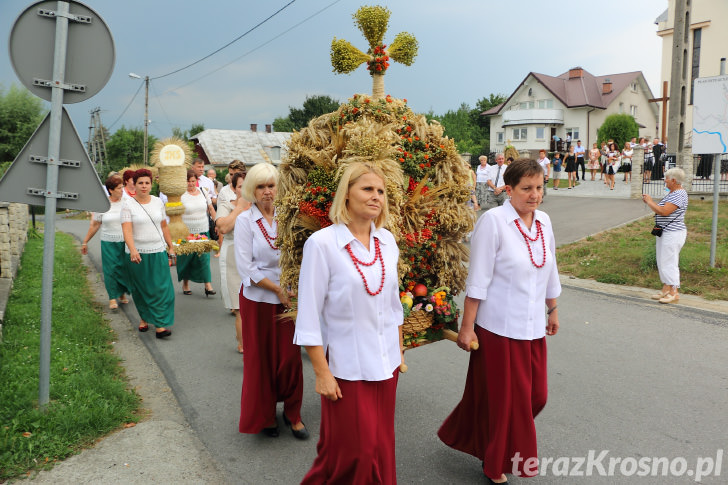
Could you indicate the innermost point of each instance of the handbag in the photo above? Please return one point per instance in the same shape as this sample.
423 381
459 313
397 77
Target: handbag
657 230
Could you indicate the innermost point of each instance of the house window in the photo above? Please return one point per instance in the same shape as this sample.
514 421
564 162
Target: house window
527 105
621 107
500 136
520 134
545 103
540 133
695 72
574 132
633 111
633 86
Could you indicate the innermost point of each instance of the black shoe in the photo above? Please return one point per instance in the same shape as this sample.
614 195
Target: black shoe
271 432
299 434
209 292
186 292
164 333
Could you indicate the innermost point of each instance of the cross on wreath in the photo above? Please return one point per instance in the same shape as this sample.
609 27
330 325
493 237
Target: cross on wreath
372 21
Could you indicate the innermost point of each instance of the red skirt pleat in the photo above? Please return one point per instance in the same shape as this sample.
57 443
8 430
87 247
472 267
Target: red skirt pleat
272 368
504 391
356 444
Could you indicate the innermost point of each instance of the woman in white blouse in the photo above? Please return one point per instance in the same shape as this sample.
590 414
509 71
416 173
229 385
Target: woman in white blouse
506 383
272 368
195 266
228 210
112 243
146 235
613 160
349 319
627 154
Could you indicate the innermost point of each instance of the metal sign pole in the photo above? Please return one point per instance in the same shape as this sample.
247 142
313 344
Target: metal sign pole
49 240
716 197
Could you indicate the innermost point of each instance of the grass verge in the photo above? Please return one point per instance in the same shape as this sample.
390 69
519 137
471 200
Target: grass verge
89 395
626 255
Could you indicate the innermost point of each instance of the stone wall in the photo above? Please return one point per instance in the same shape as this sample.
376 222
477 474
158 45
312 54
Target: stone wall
13 234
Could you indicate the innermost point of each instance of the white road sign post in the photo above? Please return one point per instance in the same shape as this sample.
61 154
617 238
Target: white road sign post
63 52
710 135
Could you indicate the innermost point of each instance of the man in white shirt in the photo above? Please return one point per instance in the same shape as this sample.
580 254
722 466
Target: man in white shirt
496 194
580 151
546 164
198 165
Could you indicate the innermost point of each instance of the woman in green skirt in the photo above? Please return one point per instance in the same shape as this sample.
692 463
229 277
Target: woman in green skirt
196 266
112 243
146 234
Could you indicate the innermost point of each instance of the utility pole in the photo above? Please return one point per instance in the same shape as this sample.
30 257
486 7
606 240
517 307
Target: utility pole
679 80
97 140
146 113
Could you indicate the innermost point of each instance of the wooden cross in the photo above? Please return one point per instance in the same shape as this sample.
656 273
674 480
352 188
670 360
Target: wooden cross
664 99
372 21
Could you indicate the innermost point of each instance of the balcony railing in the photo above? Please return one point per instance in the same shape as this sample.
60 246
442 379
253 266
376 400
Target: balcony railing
533 116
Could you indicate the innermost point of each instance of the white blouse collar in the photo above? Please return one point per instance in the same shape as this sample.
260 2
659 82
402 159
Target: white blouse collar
344 235
510 214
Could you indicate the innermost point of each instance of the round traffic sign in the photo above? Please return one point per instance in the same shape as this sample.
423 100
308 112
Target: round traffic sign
90 53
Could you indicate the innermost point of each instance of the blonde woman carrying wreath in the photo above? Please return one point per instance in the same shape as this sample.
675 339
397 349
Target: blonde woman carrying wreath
506 383
349 319
272 368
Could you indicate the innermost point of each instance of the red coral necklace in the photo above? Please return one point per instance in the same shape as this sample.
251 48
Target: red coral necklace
357 262
267 237
528 239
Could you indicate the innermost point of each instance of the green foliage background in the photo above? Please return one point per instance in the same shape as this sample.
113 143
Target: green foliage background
313 107
20 115
619 127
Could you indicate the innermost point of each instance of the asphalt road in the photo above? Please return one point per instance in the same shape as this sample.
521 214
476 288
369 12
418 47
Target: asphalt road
635 378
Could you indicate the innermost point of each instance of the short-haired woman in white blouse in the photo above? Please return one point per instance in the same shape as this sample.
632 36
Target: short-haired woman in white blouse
144 225
195 266
112 243
349 319
512 276
670 215
272 368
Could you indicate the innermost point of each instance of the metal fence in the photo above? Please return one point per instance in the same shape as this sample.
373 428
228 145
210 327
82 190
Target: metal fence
702 181
704 168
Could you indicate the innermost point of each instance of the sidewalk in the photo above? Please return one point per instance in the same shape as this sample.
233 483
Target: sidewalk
587 188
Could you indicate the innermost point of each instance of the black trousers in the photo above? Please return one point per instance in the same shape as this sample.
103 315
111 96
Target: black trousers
580 161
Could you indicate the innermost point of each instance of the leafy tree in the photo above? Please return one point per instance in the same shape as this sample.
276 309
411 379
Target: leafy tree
126 147
619 127
468 128
313 107
20 115
195 129
179 133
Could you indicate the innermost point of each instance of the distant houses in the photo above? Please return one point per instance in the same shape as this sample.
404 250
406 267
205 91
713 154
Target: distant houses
220 147
544 109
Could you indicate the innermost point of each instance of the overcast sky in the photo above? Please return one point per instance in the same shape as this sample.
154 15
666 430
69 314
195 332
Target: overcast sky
468 49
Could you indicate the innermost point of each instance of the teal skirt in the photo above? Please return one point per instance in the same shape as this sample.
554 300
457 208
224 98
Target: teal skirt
194 267
112 262
151 288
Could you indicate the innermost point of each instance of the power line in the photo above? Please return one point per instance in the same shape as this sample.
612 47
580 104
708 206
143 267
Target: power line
254 49
226 45
127 106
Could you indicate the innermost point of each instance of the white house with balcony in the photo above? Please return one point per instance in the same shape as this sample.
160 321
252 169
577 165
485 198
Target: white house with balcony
575 103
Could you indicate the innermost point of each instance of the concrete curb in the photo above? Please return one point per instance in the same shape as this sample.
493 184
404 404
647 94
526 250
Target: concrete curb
717 308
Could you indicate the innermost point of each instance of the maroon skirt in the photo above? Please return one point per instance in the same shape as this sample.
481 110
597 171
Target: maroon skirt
272 369
356 443
504 391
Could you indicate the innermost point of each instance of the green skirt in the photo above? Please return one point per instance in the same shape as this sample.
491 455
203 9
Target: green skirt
151 288
194 267
112 262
